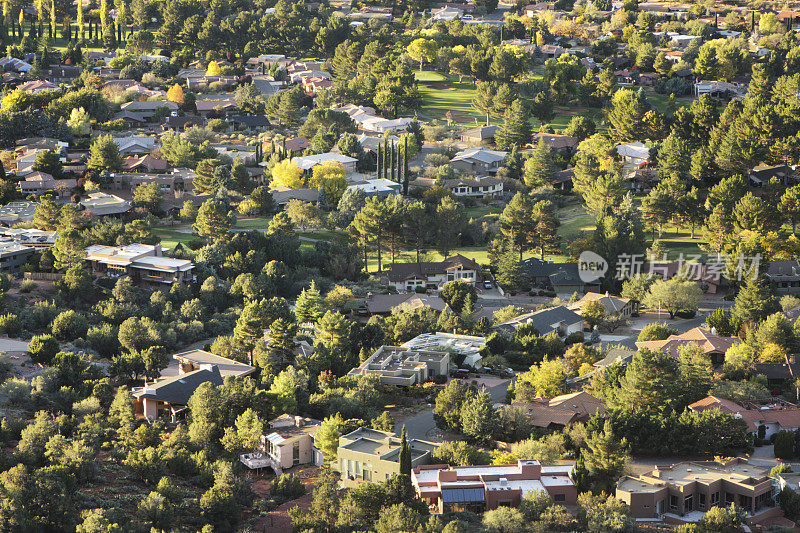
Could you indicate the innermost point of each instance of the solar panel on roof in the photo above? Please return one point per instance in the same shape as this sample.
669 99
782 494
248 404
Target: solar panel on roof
462 495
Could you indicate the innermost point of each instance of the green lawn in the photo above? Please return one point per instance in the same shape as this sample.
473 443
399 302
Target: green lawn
170 236
429 75
677 240
252 223
483 211
441 94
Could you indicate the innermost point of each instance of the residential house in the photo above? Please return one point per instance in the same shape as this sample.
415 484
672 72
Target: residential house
779 375
371 455
135 144
181 122
102 204
133 119
173 184
634 155
478 160
63 73
370 142
464 187
713 345
290 442
613 305
561 278
762 420
719 89
252 122
307 163
708 278
144 163
283 195
17 211
12 64
469 347
674 493
380 187
476 489
13 256
784 276
170 396
295 145
149 106
763 173
38 86
383 304
561 411
373 12
144 263
615 355
481 134
433 275
40 182
191 360
447 13
383 125
31 237
564 144
206 107
557 319
395 365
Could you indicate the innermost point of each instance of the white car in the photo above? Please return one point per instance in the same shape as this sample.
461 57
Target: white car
467 17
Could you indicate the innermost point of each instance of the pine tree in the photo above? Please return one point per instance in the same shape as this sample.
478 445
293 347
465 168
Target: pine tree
516 128
310 305
606 455
539 168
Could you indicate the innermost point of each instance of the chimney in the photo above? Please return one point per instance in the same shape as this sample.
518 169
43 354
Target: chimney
606 293
298 421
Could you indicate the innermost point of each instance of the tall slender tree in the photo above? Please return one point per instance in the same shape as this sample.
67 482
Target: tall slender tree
405 454
81 33
405 166
392 162
380 161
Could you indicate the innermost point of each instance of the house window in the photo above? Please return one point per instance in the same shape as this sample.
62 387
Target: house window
559 497
714 498
687 503
296 452
673 502
701 501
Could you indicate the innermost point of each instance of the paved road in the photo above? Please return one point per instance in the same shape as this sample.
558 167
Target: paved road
422 425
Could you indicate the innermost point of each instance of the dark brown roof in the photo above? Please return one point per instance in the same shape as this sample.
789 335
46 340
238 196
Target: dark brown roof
404 271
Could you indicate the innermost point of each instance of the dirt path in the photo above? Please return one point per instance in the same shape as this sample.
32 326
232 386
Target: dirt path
278 521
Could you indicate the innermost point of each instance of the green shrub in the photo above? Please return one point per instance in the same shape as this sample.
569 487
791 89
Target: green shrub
288 486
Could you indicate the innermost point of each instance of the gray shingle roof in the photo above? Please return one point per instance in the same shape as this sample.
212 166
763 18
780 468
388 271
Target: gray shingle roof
178 389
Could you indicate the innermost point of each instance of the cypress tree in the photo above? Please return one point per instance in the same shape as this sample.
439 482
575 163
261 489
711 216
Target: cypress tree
405 454
405 165
385 158
380 162
392 162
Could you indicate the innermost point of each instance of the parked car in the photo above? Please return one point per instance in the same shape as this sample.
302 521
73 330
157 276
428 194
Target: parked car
461 373
487 284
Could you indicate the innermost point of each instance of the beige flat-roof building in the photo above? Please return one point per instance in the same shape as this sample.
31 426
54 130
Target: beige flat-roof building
685 491
482 488
142 262
371 455
396 365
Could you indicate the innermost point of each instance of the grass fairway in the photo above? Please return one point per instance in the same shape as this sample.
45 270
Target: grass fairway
441 94
428 76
